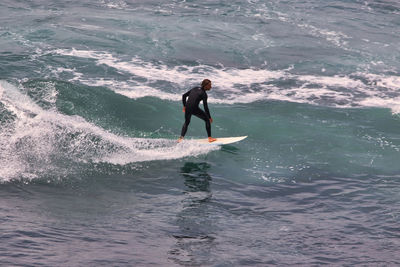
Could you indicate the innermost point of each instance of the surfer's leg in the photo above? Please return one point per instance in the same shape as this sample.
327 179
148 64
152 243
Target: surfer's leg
186 124
202 115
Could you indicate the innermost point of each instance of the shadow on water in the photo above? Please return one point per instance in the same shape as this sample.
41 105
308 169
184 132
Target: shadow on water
229 149
194 240
196 177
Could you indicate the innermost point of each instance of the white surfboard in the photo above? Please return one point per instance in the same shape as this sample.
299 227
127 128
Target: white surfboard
221 140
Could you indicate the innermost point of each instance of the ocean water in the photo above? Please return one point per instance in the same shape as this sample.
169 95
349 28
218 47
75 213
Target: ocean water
90 110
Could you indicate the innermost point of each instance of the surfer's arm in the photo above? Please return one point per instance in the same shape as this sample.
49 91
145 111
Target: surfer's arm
184 96
206 107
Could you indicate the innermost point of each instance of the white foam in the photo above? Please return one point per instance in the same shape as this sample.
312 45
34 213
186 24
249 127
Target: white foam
228 77
393 103
334 81
83 26
42 142
390 82
337 38
115 4
233 85
143 92
161 149
55 72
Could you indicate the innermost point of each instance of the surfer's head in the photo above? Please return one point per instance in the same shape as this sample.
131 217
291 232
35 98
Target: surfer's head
206 84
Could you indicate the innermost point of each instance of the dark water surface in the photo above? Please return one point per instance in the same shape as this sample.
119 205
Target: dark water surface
90 108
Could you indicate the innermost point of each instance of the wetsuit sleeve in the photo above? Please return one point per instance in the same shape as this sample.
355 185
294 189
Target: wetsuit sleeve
206 106
184 96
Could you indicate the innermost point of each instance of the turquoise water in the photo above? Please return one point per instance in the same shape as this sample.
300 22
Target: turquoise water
90 110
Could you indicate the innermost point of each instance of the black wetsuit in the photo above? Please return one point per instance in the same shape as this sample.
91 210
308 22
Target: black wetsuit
196 95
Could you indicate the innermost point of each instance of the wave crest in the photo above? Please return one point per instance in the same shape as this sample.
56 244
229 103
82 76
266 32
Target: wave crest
242 85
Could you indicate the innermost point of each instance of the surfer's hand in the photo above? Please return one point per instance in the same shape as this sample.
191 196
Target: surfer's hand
211 120
184 109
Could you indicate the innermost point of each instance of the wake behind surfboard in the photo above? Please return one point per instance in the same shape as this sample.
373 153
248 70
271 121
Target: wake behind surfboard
221 140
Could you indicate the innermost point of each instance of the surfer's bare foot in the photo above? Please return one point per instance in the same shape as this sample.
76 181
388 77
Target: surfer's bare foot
210 139
180 139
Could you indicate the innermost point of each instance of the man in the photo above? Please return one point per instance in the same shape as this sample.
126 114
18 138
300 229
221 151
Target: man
191 107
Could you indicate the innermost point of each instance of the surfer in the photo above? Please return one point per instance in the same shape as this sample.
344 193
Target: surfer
191 107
